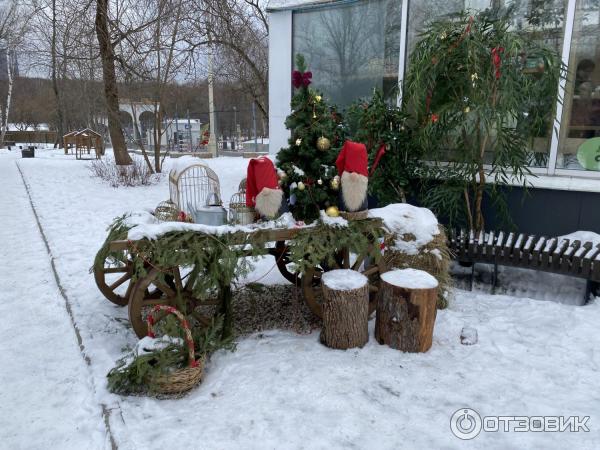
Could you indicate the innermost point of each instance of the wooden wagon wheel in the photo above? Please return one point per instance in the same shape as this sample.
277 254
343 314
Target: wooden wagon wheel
282 258
175 290
113 278
311 280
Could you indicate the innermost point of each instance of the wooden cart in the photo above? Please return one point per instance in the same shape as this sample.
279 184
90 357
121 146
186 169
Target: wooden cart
113 275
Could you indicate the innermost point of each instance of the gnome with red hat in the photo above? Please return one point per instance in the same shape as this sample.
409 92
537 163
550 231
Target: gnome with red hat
262 188
352 164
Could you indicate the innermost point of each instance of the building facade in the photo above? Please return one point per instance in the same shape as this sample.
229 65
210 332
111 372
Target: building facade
353 46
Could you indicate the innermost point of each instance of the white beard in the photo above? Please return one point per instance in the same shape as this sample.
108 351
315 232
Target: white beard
354 190
268 202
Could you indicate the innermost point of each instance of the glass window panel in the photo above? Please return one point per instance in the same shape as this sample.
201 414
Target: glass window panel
581 113
541 20
351 48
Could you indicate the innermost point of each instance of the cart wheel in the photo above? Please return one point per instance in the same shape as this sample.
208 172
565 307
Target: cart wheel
282 258
113 278
311 280
174 290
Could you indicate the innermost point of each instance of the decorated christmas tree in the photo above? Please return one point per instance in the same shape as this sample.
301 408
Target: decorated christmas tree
307 169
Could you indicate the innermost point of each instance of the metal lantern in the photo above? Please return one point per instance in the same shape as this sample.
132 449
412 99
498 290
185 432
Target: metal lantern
166 211
242 185
239 213
193 186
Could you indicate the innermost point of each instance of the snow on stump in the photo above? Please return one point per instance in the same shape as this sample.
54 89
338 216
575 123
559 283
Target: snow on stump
345 309
406 310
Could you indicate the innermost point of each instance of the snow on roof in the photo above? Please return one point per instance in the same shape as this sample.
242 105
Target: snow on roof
279 5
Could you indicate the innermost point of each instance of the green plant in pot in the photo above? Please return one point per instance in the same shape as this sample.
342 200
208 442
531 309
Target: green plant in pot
472 90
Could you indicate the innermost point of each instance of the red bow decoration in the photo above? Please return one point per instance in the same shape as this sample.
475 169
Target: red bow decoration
496 60
301 79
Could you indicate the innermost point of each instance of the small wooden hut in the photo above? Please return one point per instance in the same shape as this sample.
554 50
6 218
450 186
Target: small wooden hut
83 142
88 140
69 142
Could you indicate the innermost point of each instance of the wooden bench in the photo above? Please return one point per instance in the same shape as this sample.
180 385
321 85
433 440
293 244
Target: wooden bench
554 255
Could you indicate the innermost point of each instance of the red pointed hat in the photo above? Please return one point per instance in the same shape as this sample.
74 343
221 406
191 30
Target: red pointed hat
261 174
353 158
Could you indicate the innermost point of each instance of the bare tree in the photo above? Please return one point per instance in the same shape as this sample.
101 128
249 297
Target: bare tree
111 93
13 24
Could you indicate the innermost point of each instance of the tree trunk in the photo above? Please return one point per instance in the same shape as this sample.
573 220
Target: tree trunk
11 82
111 92
345 316
406 316
59 110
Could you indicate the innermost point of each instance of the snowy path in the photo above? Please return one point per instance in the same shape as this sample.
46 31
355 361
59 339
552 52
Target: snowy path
278 390
46 398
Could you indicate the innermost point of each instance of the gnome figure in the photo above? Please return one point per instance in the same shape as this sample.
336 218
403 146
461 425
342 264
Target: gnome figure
262 189
352 165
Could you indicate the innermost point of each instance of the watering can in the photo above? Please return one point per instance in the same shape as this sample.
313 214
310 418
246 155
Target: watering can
212 213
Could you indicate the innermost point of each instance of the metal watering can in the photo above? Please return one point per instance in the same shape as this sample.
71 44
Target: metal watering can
212 214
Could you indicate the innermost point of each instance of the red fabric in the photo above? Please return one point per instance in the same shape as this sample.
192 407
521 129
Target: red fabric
380 153
497 60
353 158
261 174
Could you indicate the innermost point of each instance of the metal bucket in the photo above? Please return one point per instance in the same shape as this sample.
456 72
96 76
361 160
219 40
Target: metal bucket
212 214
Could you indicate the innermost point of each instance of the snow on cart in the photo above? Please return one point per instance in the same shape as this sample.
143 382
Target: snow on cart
145 262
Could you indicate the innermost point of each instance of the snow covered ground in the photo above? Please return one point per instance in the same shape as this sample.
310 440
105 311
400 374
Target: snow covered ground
278 390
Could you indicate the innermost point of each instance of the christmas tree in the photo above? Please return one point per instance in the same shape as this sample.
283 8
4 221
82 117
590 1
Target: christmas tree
307 172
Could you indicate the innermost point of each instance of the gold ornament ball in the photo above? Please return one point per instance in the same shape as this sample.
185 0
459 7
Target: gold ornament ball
323 143
301 186
332 211
298 142
335 184
318 98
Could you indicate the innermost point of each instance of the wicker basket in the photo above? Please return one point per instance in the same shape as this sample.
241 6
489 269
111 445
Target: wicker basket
180 380
356 215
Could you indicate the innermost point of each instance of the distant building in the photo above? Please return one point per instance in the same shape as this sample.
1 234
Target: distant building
181 134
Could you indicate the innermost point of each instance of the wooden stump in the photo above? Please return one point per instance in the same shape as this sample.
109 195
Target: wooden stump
345 309
406 310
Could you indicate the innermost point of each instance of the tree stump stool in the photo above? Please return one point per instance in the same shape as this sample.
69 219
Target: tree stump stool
406 310
345 309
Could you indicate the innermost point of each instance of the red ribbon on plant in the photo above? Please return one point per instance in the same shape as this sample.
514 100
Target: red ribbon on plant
497 60
380 153
301 79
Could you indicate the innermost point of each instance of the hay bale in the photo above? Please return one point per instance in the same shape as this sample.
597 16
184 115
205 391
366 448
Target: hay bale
433 257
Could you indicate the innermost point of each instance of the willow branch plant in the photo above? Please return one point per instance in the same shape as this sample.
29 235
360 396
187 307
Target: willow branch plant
481 92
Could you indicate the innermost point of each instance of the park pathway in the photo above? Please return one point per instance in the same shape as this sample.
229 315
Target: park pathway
46 392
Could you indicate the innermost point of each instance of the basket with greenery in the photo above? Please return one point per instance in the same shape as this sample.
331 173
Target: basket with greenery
170 364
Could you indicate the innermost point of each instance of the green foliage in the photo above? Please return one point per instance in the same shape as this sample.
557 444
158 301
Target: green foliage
217 260
319 245
480 92
116 231
376 123
311 118
135 372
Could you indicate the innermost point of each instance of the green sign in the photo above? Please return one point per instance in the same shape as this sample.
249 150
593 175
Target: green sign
588 154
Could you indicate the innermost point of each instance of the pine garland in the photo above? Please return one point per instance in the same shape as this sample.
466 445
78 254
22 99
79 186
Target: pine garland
319 245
